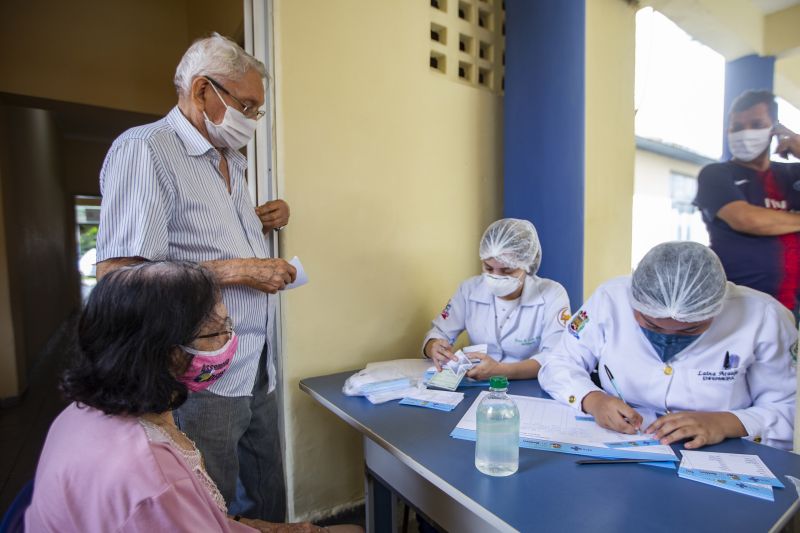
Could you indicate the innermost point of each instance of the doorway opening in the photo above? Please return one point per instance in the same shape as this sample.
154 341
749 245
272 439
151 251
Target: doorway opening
87 221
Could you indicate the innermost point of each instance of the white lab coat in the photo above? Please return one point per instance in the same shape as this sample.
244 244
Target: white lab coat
754 329
535 326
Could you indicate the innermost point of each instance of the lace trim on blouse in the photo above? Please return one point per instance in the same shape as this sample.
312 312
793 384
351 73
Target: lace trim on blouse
192 457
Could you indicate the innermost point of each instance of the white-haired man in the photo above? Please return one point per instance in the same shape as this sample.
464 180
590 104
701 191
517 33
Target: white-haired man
176 190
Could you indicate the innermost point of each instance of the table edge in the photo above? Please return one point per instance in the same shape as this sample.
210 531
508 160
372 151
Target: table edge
437 481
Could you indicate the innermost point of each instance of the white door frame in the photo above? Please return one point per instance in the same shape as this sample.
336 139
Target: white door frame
261 165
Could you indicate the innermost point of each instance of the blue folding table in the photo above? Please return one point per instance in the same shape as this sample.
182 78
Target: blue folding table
409 454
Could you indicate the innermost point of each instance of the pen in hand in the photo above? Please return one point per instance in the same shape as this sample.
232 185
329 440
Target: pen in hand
619 394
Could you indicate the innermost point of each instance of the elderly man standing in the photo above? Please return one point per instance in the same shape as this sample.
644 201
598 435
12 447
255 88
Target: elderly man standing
176 190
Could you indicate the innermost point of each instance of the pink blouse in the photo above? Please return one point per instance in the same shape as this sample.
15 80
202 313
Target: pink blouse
100 473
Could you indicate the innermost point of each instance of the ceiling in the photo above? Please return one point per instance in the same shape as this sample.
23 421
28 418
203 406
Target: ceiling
771 6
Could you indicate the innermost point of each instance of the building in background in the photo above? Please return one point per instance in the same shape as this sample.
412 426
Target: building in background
665 184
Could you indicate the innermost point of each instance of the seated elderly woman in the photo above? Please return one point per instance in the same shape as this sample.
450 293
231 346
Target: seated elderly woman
517 314
114 459
713 358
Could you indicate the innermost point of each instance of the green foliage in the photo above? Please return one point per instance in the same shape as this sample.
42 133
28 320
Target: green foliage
88 238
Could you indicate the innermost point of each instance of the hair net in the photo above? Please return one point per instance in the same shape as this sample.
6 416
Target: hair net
514 243
679 280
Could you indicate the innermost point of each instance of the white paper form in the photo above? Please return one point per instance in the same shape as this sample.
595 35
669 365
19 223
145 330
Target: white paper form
301 278
736 466
551 421
433 399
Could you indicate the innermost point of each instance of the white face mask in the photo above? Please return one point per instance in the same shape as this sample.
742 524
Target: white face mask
501 285
746 145
234 131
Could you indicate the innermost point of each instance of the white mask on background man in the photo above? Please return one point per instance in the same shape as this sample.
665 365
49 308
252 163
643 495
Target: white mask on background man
501 285
746 145
234 131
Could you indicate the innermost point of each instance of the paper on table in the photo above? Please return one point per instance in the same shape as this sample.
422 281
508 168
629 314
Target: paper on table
446 379
733 466
552 421
388 395
648 416
301 278
757 490
441 400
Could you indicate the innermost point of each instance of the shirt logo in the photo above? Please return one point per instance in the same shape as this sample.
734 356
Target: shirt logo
796 185
563 316
577 323
740 182
771 203
529 341
446 311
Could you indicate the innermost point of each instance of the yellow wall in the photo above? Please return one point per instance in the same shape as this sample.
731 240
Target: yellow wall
392 172
610 145
109 53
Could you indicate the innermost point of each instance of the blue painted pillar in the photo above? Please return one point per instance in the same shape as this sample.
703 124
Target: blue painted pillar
748 72
543 133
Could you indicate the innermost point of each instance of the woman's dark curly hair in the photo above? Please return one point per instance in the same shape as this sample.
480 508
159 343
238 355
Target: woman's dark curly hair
124 356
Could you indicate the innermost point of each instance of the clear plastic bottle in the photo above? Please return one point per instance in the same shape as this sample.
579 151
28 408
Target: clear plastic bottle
497 446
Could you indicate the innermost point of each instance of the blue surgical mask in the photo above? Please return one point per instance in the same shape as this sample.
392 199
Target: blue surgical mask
668 345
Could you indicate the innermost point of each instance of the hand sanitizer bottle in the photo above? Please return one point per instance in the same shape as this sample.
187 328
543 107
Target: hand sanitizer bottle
497 446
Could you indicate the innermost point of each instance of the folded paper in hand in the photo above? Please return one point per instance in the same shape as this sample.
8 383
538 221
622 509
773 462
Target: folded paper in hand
301 278
454 371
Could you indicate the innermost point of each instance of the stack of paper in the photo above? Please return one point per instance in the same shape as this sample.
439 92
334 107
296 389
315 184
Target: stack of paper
454 371
386 380
433 399
743 473
551 426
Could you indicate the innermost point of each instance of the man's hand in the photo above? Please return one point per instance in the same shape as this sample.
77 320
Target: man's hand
487 368
273 214
612 413
439 351
265 275
109 265
701 427
788 141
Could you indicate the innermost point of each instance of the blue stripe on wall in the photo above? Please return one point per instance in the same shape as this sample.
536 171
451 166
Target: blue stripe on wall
544 131
748 72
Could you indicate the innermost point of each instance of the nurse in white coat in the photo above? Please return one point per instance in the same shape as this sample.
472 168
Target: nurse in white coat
517 314
715 357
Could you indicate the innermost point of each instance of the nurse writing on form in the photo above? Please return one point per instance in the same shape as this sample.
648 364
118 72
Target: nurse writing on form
713 357
517 314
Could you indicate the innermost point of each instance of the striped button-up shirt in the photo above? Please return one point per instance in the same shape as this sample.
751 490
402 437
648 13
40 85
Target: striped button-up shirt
164 198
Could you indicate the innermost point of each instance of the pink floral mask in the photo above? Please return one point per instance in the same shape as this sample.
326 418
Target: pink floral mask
206 368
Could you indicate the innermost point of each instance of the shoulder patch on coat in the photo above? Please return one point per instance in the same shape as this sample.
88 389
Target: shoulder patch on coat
563 316
446 310
578 322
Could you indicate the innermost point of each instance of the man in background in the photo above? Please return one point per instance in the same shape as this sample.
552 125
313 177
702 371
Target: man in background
749 204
